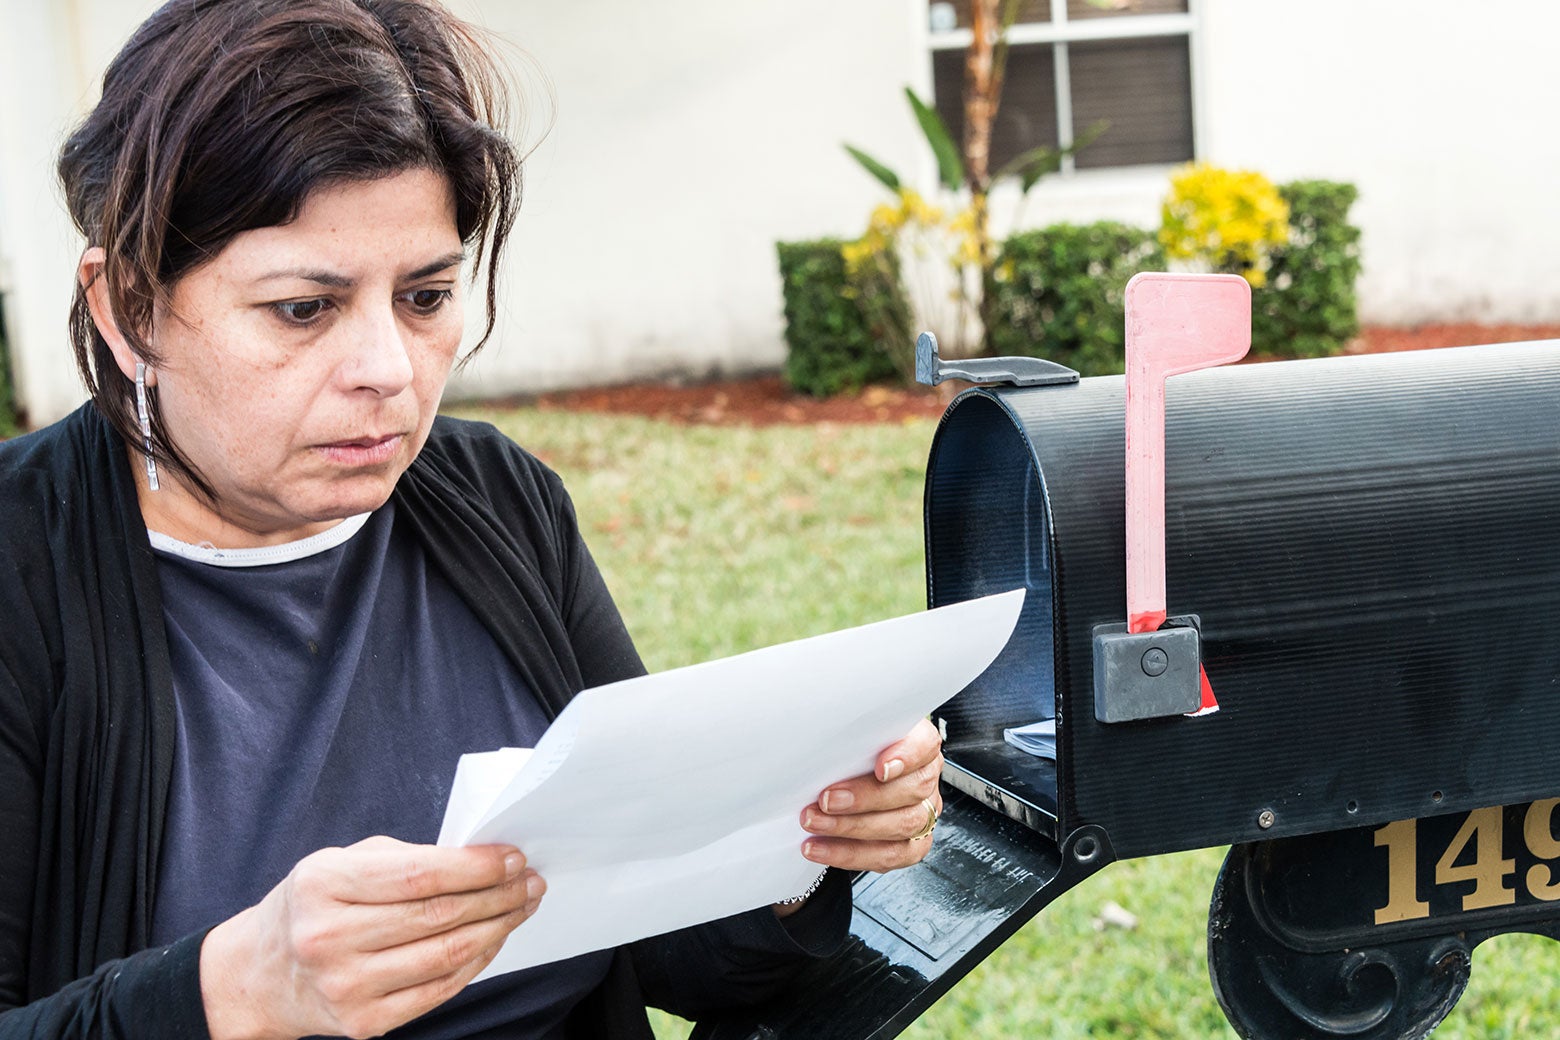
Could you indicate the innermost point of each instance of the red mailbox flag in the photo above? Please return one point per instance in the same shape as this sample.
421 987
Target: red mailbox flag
1175 323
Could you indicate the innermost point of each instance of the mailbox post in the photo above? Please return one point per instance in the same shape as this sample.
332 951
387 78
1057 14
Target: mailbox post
1368 546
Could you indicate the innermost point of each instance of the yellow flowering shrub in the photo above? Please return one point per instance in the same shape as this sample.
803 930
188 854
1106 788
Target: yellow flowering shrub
907 227
927 225
1226 220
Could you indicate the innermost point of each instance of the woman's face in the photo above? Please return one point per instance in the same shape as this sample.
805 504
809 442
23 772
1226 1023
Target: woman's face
300 370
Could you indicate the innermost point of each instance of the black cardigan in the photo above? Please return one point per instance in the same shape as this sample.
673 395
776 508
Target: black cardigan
87 731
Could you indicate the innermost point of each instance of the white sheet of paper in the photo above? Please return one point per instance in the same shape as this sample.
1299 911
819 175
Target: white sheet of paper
672 799
480 778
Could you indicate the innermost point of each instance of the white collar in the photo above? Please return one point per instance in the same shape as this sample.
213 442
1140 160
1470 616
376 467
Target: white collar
261 555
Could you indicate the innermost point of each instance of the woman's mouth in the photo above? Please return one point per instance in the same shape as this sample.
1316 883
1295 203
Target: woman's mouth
365 451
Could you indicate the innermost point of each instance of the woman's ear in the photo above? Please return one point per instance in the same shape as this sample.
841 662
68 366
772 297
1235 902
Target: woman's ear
90 272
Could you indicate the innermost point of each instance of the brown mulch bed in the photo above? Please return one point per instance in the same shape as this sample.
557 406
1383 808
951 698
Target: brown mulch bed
755 401
767 401
1381 339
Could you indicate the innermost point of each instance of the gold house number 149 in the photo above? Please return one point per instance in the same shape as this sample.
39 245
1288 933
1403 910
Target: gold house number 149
1482 833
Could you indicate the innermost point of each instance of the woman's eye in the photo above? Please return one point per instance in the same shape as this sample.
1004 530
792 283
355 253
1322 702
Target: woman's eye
300 312
426 301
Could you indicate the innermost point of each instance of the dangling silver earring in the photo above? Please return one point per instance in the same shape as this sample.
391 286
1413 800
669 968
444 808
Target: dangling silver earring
146 422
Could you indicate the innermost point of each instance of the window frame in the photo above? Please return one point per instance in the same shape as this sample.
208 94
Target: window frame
1060 32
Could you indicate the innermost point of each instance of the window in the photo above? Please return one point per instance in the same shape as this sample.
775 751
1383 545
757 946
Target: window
1075 63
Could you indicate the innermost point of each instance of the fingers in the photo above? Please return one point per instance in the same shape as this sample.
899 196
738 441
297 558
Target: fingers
359 940
880 856
387 925
866 794
914 765
384 870
428 959
406 1004
918 748
451 938
902 823
880 821
370 1018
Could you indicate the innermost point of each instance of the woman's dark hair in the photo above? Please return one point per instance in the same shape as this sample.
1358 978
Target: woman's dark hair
221 116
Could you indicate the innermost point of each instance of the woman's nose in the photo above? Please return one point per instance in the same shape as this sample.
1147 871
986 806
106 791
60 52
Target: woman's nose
380 361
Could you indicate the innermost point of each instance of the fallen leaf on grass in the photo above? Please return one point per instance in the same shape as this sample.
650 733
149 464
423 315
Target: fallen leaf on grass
1113 915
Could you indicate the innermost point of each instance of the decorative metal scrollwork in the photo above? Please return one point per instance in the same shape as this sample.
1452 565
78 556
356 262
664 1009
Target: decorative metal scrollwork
1269 989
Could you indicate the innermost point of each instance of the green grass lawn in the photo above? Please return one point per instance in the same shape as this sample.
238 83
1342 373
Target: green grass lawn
719 540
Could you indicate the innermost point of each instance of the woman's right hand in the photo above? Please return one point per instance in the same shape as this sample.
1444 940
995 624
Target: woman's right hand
356 941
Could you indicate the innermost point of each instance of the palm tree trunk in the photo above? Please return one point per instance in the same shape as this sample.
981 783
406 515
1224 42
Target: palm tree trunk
984 68
980 100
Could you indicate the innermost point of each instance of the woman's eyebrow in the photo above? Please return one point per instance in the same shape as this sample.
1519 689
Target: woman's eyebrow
327 278
446 261
340 281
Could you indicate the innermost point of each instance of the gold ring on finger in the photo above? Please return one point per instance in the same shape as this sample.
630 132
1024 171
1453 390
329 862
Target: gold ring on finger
931 821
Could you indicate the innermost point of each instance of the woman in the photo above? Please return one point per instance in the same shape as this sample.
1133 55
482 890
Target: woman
258 598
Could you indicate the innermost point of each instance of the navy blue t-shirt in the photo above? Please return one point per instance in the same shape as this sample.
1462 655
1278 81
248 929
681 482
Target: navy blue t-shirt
325 690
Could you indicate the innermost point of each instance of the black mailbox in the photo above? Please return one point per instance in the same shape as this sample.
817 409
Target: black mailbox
1370 545
1369 548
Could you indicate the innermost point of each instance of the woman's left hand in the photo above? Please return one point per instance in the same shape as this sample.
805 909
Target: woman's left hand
882 820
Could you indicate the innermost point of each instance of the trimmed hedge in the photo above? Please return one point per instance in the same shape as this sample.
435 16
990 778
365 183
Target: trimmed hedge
1059 289
841 333
8 424
1059 293
1308 307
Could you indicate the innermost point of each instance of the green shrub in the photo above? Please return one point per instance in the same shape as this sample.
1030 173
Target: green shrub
1308 307
841 332
1059 289
8 424
1059 293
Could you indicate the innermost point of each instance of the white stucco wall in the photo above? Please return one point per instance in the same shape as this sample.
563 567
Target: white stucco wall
689 137
1441 112
40 80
